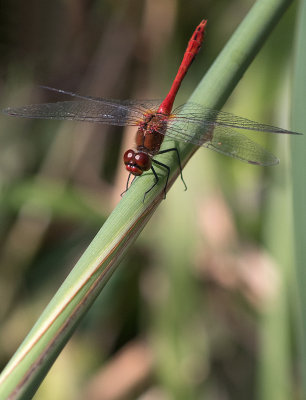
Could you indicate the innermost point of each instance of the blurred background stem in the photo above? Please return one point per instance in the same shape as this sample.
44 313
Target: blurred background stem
298 154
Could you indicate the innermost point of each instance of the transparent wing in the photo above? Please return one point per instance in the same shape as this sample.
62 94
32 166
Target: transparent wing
192 116
236 145
88 109
214 129
189 123
230 143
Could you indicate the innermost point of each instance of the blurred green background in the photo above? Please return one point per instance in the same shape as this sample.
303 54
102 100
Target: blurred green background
203 307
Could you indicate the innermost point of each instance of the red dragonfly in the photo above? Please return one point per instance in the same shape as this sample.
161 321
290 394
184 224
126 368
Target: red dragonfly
188 123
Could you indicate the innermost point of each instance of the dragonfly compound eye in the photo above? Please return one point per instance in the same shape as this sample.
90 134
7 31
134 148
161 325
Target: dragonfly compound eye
143 161
136 163
129 157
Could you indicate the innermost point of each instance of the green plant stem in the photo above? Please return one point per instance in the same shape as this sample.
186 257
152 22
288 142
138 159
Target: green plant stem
31 362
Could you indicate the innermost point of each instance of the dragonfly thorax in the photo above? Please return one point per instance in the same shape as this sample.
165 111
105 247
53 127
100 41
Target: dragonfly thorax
137 162
150 133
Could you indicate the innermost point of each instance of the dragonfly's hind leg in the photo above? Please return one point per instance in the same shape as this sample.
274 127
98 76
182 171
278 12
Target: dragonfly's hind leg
156 178
179 162
168 171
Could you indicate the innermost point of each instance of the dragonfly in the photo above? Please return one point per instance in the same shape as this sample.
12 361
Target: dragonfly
155 121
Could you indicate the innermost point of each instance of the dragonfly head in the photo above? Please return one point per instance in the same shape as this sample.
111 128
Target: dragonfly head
137 163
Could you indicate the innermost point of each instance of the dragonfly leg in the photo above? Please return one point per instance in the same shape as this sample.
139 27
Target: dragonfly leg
179 162
127 184
156 180
156 177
